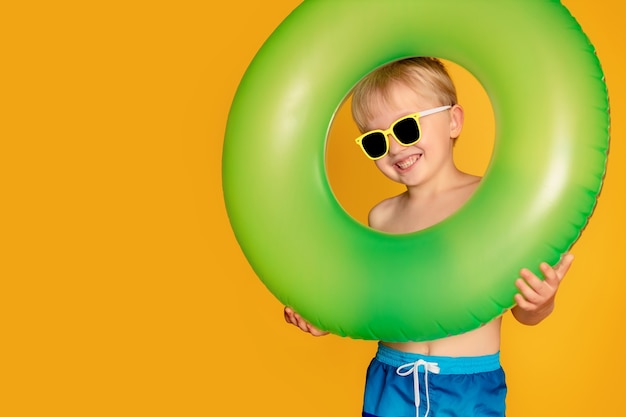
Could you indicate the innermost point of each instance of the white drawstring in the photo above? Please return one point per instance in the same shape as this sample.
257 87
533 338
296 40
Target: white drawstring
412 368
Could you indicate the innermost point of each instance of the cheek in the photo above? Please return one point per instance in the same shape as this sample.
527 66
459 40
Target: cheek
384 167
380 164
435 137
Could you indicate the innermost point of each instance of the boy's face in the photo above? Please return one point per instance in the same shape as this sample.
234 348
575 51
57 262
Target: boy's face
430 159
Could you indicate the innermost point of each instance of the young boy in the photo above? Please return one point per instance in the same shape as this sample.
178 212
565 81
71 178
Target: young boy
459 375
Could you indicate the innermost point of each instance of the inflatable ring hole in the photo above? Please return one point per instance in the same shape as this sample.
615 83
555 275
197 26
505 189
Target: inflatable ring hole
356 182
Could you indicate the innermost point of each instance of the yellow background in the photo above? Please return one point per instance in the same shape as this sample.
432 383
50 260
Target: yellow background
123 290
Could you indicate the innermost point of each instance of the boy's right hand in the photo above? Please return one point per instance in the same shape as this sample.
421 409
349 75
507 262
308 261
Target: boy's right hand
295 319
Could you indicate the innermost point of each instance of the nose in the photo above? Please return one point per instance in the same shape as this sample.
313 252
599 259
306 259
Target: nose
394 146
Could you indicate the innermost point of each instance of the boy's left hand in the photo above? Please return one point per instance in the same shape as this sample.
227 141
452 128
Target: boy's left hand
535 300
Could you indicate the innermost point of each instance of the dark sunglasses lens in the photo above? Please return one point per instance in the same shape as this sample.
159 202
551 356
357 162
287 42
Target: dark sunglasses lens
374 144
406 131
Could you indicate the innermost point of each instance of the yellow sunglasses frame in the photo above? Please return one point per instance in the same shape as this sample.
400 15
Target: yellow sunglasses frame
389 131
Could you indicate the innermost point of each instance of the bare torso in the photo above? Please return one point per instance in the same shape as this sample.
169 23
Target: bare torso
482 341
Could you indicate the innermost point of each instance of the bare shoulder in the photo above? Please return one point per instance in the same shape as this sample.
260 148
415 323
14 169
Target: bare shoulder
459 193
382 212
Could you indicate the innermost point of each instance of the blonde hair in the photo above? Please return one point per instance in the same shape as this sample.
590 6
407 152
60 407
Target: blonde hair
426 76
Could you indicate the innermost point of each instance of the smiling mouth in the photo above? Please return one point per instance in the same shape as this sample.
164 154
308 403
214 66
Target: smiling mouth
408 162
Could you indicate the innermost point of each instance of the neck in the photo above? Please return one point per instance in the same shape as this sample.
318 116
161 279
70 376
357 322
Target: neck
444 181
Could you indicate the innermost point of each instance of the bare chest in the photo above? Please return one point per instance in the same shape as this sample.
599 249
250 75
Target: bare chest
411 218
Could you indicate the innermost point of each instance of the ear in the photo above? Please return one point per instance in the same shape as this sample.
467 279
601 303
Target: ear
457 116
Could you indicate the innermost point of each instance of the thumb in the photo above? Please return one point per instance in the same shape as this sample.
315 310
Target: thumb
564 265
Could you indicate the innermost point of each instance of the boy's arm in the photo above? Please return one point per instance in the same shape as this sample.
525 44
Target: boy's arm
535 301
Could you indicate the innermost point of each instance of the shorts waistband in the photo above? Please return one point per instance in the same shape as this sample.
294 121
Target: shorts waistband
447 364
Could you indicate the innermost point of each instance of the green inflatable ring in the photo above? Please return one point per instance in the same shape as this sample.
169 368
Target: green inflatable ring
552 122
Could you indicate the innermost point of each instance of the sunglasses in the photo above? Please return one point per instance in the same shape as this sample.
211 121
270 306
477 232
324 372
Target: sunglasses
406 131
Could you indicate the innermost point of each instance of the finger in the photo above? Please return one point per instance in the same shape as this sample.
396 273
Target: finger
301 323
544 288
292 317
527 292
550 275
532 280
315 331
288 314
564 265
523 303
520 301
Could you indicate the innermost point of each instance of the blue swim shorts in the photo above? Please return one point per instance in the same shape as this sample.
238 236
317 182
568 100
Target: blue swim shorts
401 384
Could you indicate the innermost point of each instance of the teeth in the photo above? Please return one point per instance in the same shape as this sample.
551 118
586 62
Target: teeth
407 162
